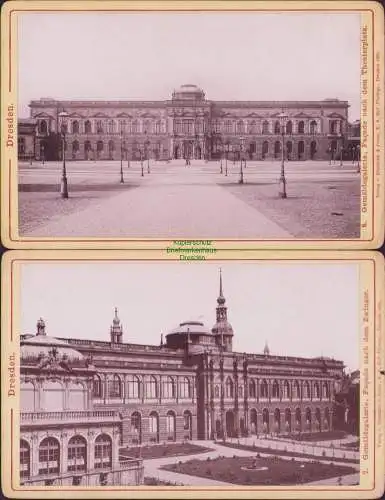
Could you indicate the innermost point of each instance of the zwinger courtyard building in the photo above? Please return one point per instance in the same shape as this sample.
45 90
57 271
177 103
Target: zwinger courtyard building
186 126
83 401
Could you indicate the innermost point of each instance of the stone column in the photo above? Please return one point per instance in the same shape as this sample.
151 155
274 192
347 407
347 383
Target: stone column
245 398
212 406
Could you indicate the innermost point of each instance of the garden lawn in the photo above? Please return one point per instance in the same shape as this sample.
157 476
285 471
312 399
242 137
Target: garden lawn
273 470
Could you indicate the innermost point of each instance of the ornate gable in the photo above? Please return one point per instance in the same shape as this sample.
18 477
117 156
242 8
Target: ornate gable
123 115
335 115
43 115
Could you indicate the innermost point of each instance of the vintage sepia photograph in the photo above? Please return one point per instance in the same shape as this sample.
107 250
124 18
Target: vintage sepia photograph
163 125
231 376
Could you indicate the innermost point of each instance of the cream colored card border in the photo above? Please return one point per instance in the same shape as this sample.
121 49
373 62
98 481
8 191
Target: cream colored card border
372 397
372 120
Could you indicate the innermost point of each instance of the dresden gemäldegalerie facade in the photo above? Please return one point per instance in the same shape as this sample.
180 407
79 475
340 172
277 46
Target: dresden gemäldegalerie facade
83 401
187 126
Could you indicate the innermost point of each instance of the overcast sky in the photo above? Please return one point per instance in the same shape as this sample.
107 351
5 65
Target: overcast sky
232 56
307 309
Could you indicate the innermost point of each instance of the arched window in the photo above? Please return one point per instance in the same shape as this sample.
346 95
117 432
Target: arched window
53 396
216 391
277 149
275 390
136 425
27 396
240 391
252 127
296 390
228 127
265 149
187 421
76 397
265 127
147 127
87 127
306 390
301 127
229 388
308 419
277 420
43 127
77 454
103 451
264 389
265 420
333 126
317 393
170 426
111 148
277 127
287 420
253 421
97 387
49 456
286 390
252 391
158 127
289 127
25 459
135 127
313 127
115 387
133 387
99 127
298 419
153 425
99 146
168 388
75 127
122 126
240 127
318 419
184 388
111 127
325 390
151 388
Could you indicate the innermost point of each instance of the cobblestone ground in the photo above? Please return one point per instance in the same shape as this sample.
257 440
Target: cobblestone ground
194 202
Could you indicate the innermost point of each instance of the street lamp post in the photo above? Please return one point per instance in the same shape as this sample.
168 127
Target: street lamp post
121 158
148 156
282 180
241 160
64 183
341 154
226 156
141 160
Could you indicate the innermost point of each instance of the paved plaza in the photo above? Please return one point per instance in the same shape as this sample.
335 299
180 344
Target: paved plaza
175 201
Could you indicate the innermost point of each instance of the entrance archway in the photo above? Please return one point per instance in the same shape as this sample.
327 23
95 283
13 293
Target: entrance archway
230 424
265 149
253 421
313 149
288 420
298 420
187 424
301 149
265 421
176 151
277 421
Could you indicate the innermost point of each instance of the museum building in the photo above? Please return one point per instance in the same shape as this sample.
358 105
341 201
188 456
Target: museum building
189 126
83 401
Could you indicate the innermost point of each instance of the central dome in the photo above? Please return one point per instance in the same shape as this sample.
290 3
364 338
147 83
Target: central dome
189 91
43 345
191 327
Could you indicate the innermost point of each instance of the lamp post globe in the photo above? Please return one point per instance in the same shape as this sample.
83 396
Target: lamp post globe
282 179
63 130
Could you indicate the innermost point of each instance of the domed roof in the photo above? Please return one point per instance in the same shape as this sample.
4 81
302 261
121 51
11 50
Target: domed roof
188 91
45 345
222 327
191 328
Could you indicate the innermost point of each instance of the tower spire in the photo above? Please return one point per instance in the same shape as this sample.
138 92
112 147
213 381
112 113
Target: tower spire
116 329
